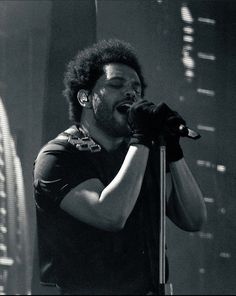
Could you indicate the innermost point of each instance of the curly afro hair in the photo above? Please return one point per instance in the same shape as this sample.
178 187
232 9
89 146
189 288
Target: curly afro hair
87 66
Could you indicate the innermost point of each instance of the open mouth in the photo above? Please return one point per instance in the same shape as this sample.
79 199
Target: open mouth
124 107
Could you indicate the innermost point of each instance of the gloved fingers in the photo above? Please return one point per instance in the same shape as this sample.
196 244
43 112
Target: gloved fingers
148 112
140 113
140 107
173 123
144 116
170 134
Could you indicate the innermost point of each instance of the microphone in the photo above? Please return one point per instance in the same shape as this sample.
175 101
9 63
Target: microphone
184 131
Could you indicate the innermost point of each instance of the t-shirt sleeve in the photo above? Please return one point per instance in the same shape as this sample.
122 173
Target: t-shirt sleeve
56 172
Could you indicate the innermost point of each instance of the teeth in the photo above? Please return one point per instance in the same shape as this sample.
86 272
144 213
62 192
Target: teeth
128 105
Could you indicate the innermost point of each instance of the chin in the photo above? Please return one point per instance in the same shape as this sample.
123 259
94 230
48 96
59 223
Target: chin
118 132
124 131
116 128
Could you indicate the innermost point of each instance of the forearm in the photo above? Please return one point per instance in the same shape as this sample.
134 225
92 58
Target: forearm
186 207
119 197
109 207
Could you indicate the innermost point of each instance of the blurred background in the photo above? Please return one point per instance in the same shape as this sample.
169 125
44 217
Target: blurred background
187 49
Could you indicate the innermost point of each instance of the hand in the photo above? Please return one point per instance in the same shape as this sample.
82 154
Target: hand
146 121
171 136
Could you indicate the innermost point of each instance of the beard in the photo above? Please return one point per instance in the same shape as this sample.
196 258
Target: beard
110 121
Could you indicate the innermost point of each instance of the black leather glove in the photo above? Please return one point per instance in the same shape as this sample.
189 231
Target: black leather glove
146 121
171 136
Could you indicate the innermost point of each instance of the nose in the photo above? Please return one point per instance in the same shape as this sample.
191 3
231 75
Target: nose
130 94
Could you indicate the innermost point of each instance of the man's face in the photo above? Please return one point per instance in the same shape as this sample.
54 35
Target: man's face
116 89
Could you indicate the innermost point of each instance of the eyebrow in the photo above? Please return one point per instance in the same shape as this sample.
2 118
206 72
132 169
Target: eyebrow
136 82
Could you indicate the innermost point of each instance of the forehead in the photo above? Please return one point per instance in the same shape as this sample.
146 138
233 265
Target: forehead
114 70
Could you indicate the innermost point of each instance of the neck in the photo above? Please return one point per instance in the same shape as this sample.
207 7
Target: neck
107 141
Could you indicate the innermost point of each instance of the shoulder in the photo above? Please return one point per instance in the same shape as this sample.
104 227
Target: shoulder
59 144
56 155
69 152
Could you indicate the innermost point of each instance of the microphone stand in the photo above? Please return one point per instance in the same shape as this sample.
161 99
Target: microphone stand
164 288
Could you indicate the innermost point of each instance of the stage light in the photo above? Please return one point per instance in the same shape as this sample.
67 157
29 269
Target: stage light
188 30
206 56
207 20
186 15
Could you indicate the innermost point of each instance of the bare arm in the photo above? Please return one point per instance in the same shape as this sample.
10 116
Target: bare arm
109 207
186 207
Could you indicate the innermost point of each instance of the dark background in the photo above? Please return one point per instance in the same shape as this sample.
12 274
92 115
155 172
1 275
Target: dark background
38 38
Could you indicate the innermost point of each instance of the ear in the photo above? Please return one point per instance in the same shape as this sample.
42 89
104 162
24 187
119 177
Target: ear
84 98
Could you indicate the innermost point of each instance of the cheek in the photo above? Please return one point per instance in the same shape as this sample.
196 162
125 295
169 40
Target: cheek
103 99
96 102
102 92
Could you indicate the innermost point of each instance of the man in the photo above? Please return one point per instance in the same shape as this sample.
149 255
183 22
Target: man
97 183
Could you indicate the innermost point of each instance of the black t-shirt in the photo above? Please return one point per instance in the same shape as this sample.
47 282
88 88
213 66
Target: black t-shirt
82 258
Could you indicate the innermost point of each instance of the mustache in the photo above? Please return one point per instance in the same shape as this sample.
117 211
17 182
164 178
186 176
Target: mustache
127 101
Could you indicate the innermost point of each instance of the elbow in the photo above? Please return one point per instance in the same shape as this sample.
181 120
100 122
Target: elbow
191 223
198 223
111 220
116 224
202 219
194 227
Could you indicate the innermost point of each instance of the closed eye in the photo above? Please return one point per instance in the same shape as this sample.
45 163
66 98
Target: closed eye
116 85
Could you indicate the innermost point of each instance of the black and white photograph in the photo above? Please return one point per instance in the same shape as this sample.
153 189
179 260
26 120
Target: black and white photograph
117 147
